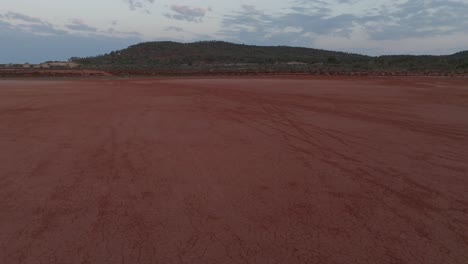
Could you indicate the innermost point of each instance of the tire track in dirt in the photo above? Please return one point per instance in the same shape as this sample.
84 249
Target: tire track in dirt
275 119
234 171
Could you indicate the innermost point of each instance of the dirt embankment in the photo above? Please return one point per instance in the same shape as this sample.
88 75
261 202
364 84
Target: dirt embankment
51 73
165 72
279 73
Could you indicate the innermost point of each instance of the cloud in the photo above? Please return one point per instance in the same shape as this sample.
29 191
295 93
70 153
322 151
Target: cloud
310 23
361 43
30 39
35 25
173 28
117 33
42 29
249 9
23 23
139 4
415 18
252 25
188 13
23 17
20 46
80 25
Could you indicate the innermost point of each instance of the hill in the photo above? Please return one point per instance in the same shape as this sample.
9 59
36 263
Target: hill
212 52
219 55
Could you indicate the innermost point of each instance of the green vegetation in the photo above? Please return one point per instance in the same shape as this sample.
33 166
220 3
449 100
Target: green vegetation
218 55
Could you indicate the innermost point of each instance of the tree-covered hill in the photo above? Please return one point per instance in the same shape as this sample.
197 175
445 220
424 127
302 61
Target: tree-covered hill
223 55
209 52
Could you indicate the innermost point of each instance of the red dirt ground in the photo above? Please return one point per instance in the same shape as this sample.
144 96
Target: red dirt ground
338 170
20 73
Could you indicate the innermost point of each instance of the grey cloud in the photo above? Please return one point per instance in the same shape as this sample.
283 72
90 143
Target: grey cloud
414 18
139 4
26 18
254 26
249 9
79 25
19 46
188 13
173 28
419 18
123 34
43 29
22 22
30 39
37 26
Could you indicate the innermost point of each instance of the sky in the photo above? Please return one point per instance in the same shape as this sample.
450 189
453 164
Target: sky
39 30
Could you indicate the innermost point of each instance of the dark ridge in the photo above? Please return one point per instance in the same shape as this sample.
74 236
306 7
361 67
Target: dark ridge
216 55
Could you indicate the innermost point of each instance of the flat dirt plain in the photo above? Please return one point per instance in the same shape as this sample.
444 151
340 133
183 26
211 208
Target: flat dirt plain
234 170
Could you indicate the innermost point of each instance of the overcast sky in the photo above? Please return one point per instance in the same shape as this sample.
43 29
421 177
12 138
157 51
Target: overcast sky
34 31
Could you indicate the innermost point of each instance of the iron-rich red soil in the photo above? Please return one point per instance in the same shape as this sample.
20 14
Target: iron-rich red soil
337 170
